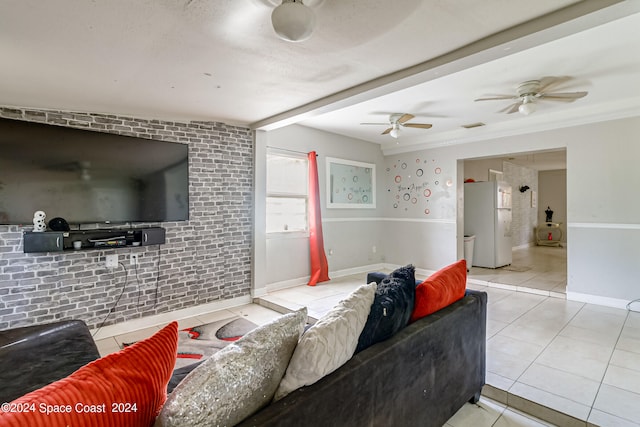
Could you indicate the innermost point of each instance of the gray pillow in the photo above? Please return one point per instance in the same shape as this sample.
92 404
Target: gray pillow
238 380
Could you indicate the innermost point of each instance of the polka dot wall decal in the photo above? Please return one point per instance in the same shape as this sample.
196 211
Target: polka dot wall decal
419 172
350 196
438 171
449 183
403 166
395 205
355 179
417 160
427 211
427 193
437 183
398 179
406 196
365 198
414 200
388 169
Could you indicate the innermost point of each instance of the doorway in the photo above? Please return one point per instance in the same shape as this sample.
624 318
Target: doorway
538 181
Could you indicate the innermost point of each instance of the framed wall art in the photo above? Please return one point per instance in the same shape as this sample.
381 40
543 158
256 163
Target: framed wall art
350 184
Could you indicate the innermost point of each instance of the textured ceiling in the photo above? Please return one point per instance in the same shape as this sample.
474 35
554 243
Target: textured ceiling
220 60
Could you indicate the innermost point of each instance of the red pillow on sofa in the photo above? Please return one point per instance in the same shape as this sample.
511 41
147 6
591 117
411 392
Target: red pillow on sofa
442 288
127 388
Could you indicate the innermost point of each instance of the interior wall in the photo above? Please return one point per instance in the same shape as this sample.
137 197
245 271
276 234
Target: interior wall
420 208
552 194
603 211
524 215
602 214
351 236
205 259
478 169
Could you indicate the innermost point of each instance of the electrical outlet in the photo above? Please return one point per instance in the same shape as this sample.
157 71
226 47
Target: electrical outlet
112 261
133 259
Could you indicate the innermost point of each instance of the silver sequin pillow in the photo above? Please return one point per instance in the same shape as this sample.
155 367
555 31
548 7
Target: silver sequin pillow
236 381
330 342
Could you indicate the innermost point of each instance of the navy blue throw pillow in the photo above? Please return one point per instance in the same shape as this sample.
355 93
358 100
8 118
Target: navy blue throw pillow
391 308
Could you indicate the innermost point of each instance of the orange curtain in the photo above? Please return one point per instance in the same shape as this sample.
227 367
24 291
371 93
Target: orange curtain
317 256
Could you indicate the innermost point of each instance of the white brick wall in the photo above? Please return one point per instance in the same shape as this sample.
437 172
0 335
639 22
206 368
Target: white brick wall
205 259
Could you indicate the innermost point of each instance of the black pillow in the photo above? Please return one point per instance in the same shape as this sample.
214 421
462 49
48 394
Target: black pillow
391 308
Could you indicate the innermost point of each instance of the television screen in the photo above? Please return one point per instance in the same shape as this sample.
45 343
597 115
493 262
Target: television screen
89 177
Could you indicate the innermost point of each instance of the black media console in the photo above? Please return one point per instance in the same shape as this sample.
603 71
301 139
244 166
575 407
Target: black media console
57 241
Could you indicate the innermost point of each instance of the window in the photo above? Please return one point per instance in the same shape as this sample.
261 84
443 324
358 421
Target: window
287 176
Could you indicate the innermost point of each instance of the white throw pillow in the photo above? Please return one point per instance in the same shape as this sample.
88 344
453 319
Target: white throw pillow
236 381
330 343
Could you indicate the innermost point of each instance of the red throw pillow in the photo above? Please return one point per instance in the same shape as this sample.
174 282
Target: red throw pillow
127 388
442 288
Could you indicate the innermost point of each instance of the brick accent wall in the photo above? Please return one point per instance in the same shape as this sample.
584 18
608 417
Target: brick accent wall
205 259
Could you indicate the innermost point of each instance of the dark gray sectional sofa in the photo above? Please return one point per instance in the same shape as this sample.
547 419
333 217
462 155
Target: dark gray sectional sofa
419 377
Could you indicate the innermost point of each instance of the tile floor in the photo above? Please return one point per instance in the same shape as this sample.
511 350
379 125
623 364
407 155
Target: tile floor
538 269
569 363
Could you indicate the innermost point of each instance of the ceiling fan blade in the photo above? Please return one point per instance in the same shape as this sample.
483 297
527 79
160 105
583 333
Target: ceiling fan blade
418 125
386 131
550 81
405 117
496 97
563 96
511 108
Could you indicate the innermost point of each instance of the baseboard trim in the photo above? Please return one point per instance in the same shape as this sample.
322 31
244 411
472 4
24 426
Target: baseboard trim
597 300
165 318
291 283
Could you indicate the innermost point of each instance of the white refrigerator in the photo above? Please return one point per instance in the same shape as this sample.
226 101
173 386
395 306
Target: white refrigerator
487 216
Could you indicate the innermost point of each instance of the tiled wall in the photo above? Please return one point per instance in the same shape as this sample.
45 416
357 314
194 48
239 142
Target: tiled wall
205 259
525 216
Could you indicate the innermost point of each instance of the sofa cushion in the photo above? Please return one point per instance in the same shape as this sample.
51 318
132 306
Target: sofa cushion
330 342
126 388
237 380
442 288
391 309
27 350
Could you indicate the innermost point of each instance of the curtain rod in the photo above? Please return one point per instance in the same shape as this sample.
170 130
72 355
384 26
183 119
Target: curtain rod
291 151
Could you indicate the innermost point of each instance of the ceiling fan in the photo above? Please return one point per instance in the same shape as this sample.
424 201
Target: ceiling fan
529 92
398 121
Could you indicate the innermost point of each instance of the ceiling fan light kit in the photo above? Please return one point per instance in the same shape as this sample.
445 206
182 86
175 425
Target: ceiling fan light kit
397 121
529 92
293 21
528 106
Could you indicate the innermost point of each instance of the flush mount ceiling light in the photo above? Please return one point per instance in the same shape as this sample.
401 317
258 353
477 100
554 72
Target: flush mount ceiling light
293 21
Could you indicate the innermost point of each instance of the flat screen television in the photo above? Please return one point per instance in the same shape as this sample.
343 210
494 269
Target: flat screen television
86 176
